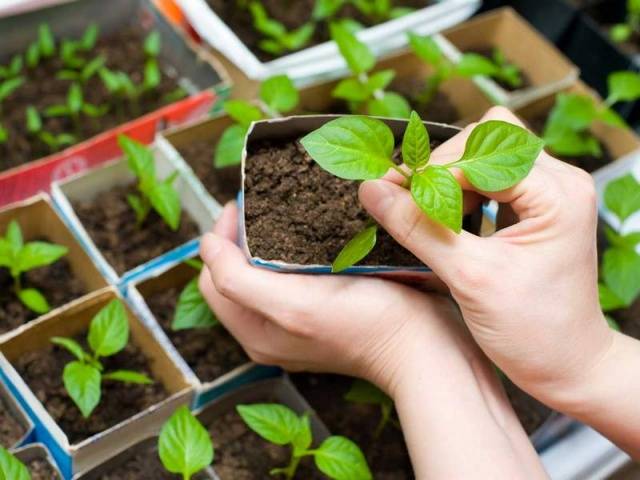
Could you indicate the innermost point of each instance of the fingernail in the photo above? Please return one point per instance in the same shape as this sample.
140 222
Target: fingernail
377 196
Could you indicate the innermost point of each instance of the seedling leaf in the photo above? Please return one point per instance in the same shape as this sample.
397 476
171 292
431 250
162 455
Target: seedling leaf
341 459
152 44
391 105
279 94
438 194
426 48
38 254
83 382
166 201
34 300
621 273
192 310
356 249
45 40
11 468
128 376
608 299
612 323
624 86
273 422
109 330
72 346
242 112
357 55
139 157
367 393
416 148
622 196
472 64
229 148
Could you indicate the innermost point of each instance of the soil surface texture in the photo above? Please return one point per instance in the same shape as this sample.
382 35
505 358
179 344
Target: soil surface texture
42 470
11 431
488 53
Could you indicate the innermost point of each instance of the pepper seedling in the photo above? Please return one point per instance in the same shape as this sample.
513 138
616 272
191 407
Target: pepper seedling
567 130
35 128
377 10
108 335
159 195
20 257
43 47
365 92
497 156
7 87
192 310
624 31
278 39
337 457
85 73
184 445
277 95
11 468
619 285
13 69
75 106
70 49
363 392
497 67
4 135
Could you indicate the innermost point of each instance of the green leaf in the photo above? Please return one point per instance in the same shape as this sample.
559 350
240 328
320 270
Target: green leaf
380 80
426 48
438 194
71 345
90 37
353 148
34 300
94 111
139 157
4 135
9 86
32 56
273 422
75 98
398 12
356 249
611 117
165 200
567 142
192 310
367 393
621 32
573 112
272 47
324 9
38 254
152 75
83 384
472 64
391 105
608 299
621 273
14 236
279 94
623 87
228 151
352 90
242 112
34 122
299 37
195 263
357 55
612 323
622 196
139 206
109 330
263 23
184 445
91 68
341 459
11 468
498 155
416 146
152 44
45 41
128 376
57 111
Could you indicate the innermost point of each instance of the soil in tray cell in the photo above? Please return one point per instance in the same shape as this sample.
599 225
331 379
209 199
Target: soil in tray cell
210 352
11 431
439 109
111 224
123 51
56 282
42 470
42 371
488 52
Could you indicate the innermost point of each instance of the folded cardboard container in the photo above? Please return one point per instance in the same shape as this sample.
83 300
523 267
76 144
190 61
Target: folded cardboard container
37 451
18 414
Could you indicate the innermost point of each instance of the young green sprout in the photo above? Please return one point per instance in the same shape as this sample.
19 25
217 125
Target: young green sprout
70 50
497 156
11 468
377 10
619 285
83 377
75 106
624 31
184 446
192 310
84 74
567 131
366 393
4 135
42 48
35 128
152 75
365 92
337 457
498 67
278 95
7 87
13 69
278 39
20 257
159 195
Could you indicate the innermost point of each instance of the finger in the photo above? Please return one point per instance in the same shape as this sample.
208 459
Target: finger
227 224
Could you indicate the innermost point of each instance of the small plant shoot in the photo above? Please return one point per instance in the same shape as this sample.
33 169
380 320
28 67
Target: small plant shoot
623 32
497 156
497 67
35 128
337 457
184 445
159 195
363 392
192 310
20 257
11 468
108 335
278 39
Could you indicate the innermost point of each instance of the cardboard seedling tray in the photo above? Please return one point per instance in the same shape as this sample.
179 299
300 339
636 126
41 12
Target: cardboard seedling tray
86 186
545 66
69 321
18 414
38 219
322 61
204 391
37 451
197 71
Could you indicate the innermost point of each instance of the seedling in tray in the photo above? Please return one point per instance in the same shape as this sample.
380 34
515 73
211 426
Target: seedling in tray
567 131
11 468
35 128
377 10
192 310
108 335
19 257
184 445
620 269
75 107
497 156
624 31
278 39
366 393
337 457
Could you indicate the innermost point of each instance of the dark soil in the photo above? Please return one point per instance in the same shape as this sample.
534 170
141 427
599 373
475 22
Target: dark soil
56 282
387 455
42 371
440 109
298 213
210 352
293 14
42 470
11 431
488 53
531 413
242 455
42 89
222 183
111 224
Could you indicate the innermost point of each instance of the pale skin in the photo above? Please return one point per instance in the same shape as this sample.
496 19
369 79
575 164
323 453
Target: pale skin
527 301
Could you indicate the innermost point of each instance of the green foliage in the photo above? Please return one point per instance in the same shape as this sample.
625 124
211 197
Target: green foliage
19 257
76 106
7 87
83 377
337 457
85 74
13 69
192 310
498 67
377 10
46 41
184 445
624 31
4 135
278 39
497 156
11 468
366 393
356 249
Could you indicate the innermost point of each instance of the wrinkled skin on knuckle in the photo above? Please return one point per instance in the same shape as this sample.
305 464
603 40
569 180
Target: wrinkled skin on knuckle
297 322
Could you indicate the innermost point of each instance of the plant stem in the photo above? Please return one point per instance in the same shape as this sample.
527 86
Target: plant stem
402 172
384 419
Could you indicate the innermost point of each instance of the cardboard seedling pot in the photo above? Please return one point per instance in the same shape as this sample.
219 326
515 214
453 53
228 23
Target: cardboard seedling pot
38 219
69 321
544 65
86 186
204 391
322 61
37 451
197 70
18 414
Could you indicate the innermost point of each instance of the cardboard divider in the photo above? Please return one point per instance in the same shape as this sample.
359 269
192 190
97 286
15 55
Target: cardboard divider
18 414
37 451
72 320
546 67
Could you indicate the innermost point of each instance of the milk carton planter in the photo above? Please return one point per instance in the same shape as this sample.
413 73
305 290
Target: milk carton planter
82 197
39 462
126 24
69 277
15 426
209 357
543 68
33 368
321 60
